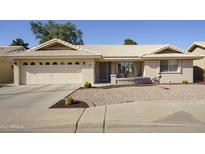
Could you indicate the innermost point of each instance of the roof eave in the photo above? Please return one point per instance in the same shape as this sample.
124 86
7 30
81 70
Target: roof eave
58 56
121 58
191 58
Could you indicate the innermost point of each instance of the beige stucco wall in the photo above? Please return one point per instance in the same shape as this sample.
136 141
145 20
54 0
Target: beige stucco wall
200 62
88 71
200 71
185 71
150 68
6 71
114 67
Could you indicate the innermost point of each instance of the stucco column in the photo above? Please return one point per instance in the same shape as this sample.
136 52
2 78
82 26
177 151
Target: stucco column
16 73
88 71
113 79
113 67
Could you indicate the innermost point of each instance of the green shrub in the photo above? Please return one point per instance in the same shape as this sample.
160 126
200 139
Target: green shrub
185 82
87 85
68 100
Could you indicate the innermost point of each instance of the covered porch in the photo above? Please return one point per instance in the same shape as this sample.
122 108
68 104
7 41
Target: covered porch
119 72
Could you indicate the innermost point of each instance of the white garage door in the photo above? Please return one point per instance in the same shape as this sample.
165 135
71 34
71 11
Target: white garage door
51 74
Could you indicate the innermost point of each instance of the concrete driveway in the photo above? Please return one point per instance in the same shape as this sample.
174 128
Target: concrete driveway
33 96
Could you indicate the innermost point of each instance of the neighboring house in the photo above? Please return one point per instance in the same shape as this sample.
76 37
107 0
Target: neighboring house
6 66
199 65
59 62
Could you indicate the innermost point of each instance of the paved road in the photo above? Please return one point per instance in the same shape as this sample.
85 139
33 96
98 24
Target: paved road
25 109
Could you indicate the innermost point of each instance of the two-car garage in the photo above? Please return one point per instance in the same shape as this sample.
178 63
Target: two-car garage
50 72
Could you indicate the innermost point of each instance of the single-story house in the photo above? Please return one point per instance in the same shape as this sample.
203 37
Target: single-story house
6 66
199 65
59 62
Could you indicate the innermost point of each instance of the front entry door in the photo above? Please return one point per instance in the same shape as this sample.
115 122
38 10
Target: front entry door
104 72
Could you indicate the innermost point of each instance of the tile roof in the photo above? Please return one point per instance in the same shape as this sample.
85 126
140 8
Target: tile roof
10 49
53 53
123 50
104 51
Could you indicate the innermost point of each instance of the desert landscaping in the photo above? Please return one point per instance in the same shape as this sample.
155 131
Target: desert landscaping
126 94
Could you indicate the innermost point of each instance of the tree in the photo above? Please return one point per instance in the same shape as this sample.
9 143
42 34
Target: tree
19 42
129 42
67 32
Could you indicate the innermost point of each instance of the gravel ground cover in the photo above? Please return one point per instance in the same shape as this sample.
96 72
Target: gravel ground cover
114 95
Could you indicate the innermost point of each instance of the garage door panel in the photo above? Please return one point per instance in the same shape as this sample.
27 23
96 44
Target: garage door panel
41 74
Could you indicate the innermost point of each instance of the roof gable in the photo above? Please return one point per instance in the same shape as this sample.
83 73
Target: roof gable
167 49
53 44
56 46
170 52
195 45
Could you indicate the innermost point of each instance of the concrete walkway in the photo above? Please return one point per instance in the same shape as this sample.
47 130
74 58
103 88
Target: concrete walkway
158 116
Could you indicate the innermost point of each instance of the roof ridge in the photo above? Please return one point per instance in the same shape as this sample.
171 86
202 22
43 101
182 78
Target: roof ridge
164 47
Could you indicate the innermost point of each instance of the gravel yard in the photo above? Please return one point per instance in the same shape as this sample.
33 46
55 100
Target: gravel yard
113 95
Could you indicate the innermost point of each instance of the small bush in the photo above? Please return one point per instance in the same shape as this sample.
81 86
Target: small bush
185 82
68 100
87 85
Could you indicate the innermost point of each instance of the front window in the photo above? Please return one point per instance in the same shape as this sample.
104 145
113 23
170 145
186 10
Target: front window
168 66
126 69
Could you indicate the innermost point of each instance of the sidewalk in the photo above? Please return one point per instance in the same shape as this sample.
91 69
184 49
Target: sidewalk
158 116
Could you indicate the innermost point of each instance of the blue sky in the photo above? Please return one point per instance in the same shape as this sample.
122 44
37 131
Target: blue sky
178 33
